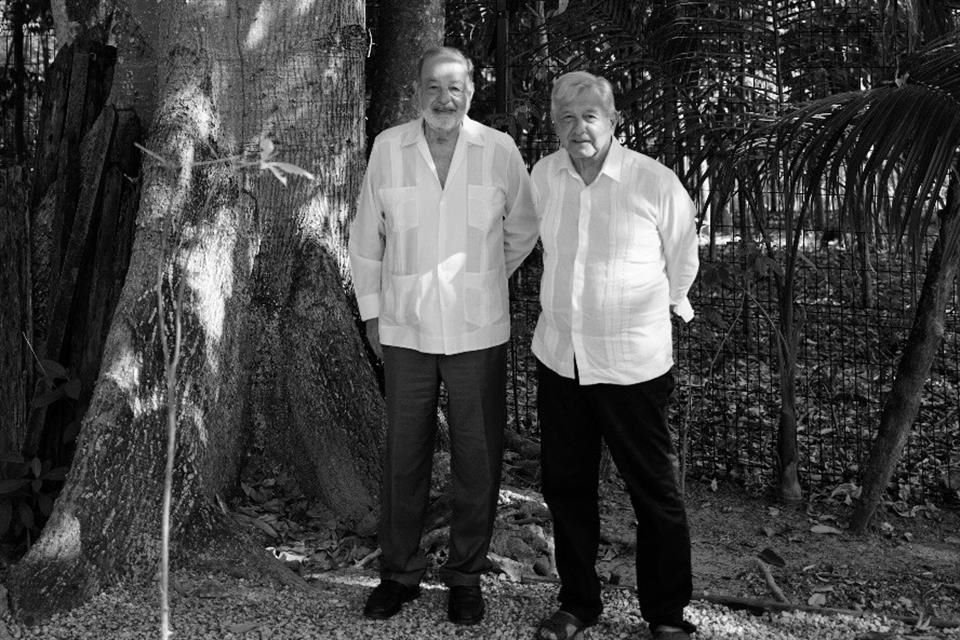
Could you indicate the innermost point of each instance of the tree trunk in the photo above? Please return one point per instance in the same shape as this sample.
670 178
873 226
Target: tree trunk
787 457
902 404
865 249
404 30
270 354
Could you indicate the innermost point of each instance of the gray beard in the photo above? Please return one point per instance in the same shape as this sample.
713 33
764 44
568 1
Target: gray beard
441 123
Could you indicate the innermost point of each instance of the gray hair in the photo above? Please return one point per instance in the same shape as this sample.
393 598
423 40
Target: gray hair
449 52
570 85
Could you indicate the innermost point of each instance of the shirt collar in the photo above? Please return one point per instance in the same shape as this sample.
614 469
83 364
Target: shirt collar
612 164
471 130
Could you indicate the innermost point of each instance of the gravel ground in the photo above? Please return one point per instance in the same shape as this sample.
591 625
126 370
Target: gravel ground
222 607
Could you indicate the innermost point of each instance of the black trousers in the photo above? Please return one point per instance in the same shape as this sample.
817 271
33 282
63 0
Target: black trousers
476 392
632 419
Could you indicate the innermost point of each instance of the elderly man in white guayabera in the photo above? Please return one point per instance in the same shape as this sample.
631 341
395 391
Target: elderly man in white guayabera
444 217
619 255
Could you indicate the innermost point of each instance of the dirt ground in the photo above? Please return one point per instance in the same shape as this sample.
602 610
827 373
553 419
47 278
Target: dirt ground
743 546
907 565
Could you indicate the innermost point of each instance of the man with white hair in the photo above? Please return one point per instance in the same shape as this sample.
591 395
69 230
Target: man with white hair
443 218
619 255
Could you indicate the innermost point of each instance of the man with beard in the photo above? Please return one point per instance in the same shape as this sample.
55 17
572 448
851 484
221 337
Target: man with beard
444 217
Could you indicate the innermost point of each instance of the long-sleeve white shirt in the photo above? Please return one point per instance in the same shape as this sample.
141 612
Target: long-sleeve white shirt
618 254
432 262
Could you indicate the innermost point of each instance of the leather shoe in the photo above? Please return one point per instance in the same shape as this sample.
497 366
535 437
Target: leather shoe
387 598
465 605
677 631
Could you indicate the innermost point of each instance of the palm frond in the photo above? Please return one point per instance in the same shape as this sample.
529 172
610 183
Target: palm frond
888 150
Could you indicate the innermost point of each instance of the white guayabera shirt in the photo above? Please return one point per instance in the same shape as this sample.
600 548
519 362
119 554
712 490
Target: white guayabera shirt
432 263
617 255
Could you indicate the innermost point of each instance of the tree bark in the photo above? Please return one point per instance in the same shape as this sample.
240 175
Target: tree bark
404 30
270 355
787 455
903 402
788 459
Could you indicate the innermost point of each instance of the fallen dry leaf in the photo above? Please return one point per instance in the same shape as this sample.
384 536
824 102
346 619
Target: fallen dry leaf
825 529
817 600
243 627
770 556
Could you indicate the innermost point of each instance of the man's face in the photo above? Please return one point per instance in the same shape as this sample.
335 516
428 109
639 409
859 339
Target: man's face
584 126
444 91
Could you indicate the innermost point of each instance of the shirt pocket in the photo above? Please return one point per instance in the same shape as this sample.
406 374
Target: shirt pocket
400 207
485 205
485 301
401 302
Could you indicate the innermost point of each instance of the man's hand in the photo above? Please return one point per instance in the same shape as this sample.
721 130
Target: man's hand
373 336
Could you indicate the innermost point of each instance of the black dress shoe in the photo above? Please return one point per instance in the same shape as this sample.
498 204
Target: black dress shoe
465 605
387 598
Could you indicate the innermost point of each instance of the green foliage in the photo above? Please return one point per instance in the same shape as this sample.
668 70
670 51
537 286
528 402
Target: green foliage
29 485
37 11
27 491
888 151
57 383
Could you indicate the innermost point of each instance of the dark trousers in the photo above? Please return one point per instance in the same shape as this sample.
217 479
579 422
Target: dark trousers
476 390
632 419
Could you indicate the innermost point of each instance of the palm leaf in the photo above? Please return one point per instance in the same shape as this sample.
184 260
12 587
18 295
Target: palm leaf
888 150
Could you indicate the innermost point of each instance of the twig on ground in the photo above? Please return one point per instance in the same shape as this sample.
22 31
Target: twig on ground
440 534
771 583
367 559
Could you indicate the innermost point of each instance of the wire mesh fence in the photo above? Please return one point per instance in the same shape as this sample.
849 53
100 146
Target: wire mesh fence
28 51
727 406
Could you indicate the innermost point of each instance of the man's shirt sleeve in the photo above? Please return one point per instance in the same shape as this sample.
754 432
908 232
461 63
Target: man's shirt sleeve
367 242
520 228
678 232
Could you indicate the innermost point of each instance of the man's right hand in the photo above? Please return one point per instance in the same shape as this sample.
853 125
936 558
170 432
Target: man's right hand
373 336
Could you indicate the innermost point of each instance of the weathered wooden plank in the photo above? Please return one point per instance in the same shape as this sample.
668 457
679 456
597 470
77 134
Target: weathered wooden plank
77 93
101 60
15 360
65 204
111 251
93 159
74 95
52 116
